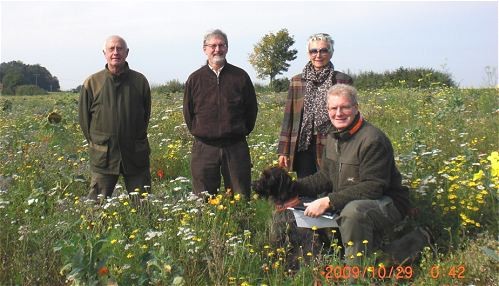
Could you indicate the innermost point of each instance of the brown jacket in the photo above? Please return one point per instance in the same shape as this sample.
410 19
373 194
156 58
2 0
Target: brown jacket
220 110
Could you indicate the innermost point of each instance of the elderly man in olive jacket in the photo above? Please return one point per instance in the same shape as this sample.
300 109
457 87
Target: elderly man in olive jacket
359 176
114 112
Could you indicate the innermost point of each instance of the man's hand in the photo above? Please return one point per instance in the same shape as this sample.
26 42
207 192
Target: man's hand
317 207
283 161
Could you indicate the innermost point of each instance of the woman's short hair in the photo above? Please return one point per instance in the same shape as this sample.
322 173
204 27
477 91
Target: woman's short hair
321 37
343 90
215 33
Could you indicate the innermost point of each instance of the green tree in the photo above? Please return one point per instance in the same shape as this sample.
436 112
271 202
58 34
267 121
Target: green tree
271 54
16 73
11 80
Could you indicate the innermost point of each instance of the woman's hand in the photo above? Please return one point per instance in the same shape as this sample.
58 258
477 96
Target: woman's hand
283 161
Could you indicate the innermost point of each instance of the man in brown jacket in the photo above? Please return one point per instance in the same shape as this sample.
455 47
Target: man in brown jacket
220 110
114 112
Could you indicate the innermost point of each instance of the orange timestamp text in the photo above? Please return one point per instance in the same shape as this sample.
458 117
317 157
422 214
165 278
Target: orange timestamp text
343 272
452 271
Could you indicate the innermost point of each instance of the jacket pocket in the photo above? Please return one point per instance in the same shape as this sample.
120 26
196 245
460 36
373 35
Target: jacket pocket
142 150
99 152
348 172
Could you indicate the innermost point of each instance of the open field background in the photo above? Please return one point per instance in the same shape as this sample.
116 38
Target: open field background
446 141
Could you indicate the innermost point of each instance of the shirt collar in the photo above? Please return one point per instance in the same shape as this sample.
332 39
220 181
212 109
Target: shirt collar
215 71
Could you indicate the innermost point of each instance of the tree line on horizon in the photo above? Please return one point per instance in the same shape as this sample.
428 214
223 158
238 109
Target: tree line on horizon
18 78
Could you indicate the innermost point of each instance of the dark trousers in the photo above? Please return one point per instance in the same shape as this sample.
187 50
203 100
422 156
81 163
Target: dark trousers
305 162
209 163
104 184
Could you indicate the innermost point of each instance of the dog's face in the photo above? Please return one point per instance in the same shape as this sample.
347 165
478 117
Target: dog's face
276 183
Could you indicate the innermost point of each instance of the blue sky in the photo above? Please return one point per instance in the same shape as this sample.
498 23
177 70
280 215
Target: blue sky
165 37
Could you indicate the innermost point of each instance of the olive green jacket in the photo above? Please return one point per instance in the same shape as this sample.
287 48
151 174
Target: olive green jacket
114 114
357 165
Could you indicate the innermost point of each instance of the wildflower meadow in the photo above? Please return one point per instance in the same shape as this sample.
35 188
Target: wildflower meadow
446 145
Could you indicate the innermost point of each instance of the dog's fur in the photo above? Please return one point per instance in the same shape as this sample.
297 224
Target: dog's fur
275 183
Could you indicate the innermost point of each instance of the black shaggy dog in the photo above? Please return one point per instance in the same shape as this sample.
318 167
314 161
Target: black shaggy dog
275 183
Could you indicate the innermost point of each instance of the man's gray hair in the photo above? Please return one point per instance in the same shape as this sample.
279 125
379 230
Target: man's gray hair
321 37
215 33
343 90
114 37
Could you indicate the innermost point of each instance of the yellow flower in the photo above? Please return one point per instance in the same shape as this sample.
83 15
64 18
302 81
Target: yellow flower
237 197
129 255
214 200
314 228
114 241
359 254
350 243
494 163
365 241
478 176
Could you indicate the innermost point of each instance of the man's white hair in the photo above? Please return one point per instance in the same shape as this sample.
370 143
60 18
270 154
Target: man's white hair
114 37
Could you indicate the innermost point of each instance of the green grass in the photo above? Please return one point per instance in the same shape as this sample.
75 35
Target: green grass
444 139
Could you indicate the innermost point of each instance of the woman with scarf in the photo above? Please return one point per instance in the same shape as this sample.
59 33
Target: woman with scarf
306 120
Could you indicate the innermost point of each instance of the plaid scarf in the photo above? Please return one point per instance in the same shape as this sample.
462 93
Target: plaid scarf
315 103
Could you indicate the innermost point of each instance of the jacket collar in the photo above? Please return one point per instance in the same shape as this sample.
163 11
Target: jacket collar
125 71
348 132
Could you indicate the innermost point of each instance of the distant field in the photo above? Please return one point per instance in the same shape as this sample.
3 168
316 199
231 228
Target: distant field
445 140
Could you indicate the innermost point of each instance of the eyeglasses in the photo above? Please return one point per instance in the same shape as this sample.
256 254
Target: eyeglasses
214 46
314 52
345 109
